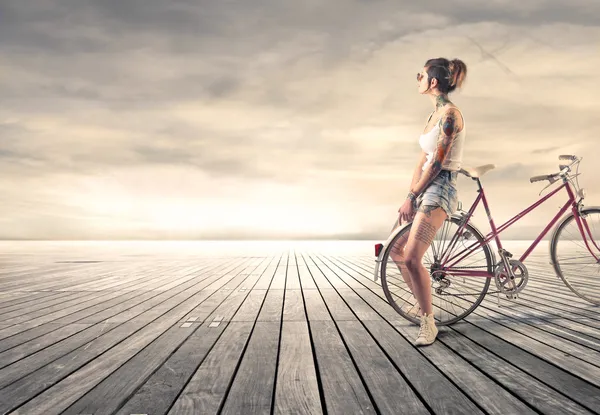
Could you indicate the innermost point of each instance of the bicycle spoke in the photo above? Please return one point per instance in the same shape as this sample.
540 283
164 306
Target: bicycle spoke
454 294
572 259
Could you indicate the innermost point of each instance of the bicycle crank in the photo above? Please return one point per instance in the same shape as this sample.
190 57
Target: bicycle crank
511 282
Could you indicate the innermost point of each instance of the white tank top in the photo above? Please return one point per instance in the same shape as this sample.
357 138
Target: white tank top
428 143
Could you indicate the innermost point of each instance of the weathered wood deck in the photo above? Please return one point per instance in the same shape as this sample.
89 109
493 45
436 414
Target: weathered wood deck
181 329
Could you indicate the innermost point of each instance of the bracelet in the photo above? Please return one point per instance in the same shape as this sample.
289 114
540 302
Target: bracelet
411 196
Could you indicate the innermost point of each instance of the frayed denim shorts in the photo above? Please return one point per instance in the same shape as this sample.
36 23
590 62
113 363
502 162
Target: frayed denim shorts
441 192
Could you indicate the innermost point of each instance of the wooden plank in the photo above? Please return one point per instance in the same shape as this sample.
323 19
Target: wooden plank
549 318
45 276
559 357
46 307
292 279
577 389
25 300
390 391
59 307
86 340
387 387
59 281
429 383
343 391
296 388
332 278
246 395
336 306
306 279
484 392
61 315
111 337
132 313
107 396
206 390
74 385
149 316
315 306
464 372
272 307
278 282
14 335
524 384
100 312
317 275
491 379
161 390
159 378
588 350
478 381
293 306
333 272
16 353
251 306
266 278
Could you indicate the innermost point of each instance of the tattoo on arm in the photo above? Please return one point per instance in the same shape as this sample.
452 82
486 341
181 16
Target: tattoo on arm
447 135
448 132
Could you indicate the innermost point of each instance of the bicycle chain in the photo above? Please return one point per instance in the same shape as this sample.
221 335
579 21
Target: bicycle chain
463 295
471 295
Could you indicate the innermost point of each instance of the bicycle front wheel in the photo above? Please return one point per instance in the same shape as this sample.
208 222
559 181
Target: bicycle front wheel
572 260
454 295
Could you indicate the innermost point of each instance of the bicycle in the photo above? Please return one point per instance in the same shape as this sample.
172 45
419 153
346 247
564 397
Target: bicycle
448 269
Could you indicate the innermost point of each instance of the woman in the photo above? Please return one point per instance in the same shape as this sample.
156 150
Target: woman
432 195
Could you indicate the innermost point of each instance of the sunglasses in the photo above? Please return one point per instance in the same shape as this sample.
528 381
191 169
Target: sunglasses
420 76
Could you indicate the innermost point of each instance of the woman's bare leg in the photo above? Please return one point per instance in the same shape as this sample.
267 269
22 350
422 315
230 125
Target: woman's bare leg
397 255
425 225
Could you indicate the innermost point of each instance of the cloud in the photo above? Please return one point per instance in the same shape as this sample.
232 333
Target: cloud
545 150
111 103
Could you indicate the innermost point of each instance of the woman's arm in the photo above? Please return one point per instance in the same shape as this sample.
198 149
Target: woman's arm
451 125
418 170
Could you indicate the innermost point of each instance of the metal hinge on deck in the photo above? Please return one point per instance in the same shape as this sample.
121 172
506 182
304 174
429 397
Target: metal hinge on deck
189 322
216 322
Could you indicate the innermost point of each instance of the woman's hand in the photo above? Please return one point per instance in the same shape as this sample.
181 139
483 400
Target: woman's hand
406 211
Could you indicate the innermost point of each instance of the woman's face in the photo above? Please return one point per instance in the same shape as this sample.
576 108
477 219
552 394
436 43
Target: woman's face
422 81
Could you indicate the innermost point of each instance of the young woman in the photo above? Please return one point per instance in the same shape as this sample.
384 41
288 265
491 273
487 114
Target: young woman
432 195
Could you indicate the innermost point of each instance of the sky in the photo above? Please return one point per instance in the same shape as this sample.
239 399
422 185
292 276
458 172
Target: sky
254 119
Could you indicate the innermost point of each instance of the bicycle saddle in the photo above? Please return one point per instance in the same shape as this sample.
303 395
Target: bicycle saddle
478 171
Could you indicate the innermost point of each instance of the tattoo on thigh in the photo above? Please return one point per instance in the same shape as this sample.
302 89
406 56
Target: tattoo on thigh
425 233
427 209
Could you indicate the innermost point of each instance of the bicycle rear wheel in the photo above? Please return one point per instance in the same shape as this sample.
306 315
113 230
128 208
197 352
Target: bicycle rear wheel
454 295
572 261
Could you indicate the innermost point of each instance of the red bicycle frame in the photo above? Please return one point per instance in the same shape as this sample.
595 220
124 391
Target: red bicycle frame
496 231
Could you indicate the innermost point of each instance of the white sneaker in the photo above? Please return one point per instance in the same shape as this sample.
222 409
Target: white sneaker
427 332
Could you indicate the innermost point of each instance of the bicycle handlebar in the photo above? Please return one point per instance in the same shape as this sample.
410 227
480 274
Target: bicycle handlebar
542 177
564 169
567 157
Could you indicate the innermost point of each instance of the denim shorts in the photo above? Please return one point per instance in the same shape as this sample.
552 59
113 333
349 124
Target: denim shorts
441 192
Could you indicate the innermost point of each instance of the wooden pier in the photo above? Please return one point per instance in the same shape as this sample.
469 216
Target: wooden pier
290 328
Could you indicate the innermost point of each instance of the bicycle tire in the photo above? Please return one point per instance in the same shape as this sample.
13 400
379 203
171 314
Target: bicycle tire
554 241
490 266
